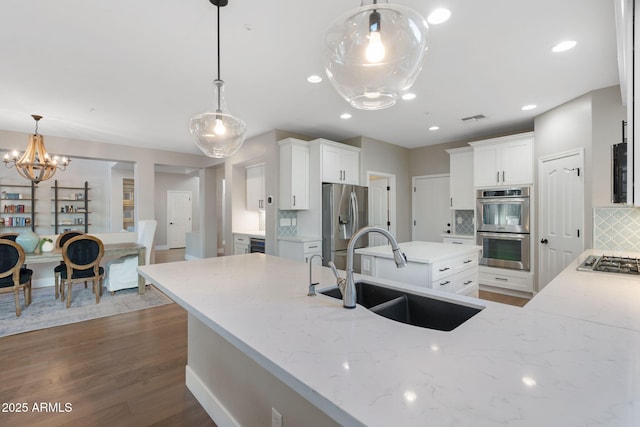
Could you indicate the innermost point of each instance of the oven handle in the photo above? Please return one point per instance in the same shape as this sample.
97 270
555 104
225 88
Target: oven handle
519 236
503 200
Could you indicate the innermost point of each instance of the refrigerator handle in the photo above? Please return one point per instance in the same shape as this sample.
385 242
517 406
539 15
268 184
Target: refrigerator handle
354 213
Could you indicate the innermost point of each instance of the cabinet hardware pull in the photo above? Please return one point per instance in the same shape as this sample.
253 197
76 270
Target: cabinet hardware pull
467 261
313 247
444 269
501 278
445 283
502 176
294 200
467 282
498 176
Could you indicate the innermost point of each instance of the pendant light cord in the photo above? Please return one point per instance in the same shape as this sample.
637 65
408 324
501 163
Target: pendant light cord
219 80
218 7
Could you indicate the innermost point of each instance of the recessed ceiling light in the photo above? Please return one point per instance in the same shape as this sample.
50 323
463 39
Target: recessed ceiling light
434 128
409 96
565 45
529 107
345 116
439 16
314 78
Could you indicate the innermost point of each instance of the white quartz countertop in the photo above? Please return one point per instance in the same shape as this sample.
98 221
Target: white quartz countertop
422 252
550 364
250 233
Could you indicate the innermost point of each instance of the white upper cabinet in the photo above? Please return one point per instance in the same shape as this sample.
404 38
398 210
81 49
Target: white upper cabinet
255 187
503 161
340 163
294 174
461 178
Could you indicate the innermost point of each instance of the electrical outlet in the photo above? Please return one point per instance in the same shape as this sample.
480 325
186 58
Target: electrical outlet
276 418
285 222
294 221
459 220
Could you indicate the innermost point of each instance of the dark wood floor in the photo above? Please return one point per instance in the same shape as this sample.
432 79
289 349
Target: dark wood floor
124 370
504 299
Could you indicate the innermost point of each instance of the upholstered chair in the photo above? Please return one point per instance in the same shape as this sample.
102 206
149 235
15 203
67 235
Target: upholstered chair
122 273
60 241
12 276
82 255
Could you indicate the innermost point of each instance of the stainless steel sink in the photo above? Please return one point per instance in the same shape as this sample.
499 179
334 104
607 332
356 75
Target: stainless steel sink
412 309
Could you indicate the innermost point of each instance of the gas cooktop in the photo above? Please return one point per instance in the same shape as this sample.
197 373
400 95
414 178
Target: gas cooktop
611 264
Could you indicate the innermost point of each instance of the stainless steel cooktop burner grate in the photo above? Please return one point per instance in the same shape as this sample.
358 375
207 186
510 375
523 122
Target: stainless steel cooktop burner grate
611 264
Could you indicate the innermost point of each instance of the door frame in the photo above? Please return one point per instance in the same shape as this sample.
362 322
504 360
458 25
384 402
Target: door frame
413 196
580 152
392 199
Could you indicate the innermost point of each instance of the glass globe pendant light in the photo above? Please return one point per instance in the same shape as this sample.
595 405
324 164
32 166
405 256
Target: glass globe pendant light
374 53
217 133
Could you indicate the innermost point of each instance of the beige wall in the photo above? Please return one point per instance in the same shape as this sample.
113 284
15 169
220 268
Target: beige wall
382 157
592 122
174 182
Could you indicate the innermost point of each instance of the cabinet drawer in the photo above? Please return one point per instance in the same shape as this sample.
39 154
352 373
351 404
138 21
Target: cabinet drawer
460 283
518 283
312 247
453 266
241 239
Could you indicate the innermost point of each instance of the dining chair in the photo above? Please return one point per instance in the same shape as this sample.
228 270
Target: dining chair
12 276
9 236
60 241
82 255
122 273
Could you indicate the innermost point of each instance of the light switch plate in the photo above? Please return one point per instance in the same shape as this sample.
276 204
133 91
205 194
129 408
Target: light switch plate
285 222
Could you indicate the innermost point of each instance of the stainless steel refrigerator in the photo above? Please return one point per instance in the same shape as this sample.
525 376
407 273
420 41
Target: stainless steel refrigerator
344 211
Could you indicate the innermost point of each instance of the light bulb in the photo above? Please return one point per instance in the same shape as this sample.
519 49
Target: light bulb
375 49
219 128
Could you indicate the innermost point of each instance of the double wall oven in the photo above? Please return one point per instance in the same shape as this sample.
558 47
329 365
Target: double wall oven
502 215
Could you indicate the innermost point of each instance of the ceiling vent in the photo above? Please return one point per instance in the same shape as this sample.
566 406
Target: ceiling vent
472 119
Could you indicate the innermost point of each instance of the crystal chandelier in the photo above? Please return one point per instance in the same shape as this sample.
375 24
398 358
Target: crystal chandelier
218 133
35 164
374 53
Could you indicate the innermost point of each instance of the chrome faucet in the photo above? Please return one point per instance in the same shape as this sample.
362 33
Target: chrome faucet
312 286
349 292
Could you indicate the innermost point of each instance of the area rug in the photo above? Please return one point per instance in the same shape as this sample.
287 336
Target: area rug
45 311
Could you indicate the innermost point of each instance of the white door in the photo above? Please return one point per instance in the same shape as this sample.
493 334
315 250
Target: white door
431 212
178 218
379 190
561 213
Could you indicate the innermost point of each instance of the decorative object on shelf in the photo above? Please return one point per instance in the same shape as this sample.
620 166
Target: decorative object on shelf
35 164
28 240
374 53
46 245
217 133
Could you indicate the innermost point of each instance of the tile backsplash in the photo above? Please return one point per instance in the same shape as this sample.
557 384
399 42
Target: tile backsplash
463 222
287 223
616 228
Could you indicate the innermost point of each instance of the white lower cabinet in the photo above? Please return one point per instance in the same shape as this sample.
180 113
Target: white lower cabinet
241 244
507 279
300 250
458 274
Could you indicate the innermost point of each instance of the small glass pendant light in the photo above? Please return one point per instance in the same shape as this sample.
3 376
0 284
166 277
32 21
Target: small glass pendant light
216 132
374 53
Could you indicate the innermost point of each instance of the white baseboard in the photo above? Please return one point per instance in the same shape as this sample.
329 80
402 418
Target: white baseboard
209 401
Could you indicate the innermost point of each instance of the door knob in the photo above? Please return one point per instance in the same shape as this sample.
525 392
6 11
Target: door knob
544 241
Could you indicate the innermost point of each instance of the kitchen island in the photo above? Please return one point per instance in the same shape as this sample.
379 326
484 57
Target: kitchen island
443 266
257 342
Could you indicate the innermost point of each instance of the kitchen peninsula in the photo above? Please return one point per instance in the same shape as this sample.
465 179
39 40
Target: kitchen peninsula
257 342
